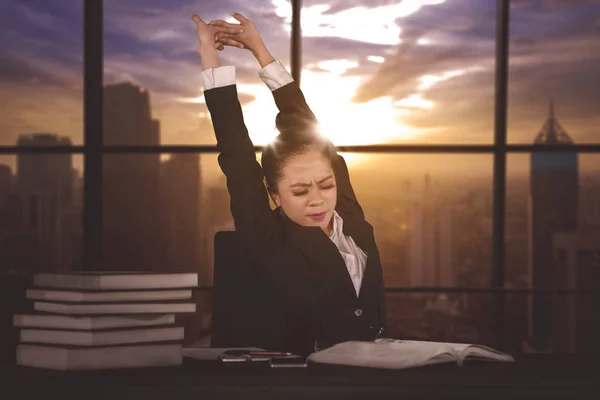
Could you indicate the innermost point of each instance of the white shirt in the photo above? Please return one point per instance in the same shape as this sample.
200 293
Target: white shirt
275 76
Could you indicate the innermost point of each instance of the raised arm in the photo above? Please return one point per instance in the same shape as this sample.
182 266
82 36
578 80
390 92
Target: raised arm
289 99
249 200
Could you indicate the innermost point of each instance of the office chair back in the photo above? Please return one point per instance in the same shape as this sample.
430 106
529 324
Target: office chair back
245 311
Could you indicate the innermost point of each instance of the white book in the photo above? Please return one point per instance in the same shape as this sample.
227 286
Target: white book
83 297
65 358
399 354
111 280
120 308
101 338
90 323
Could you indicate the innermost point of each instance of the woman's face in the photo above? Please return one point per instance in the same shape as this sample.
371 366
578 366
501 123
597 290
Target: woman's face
307 190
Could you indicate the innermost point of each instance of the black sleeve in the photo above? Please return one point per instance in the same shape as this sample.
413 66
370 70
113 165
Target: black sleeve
292 106
250 207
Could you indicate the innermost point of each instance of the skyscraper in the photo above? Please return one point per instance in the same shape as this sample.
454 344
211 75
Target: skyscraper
430 249
576 325
45 173
553 205
180 190
44 186
133 236
5 180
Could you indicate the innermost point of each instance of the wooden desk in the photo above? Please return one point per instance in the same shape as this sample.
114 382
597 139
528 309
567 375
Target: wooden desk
547 377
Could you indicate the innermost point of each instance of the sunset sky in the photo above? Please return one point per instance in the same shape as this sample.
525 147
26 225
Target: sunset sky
412 71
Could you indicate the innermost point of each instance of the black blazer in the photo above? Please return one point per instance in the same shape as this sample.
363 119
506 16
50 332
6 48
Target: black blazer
302 265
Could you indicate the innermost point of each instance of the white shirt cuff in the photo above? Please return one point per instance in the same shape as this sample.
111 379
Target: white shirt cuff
275 75
218 77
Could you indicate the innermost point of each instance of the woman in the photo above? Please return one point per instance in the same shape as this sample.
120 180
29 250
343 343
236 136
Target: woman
316 250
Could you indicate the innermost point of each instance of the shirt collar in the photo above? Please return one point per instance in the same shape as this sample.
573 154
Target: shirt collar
338 224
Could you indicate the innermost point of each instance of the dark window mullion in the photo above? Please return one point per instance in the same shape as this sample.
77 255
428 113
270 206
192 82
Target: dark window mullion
93 82
498 215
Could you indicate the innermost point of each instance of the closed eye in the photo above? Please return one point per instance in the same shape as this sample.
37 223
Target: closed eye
305 192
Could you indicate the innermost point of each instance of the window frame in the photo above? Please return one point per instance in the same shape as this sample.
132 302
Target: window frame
93 151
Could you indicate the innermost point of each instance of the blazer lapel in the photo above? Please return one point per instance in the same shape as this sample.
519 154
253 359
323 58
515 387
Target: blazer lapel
322 253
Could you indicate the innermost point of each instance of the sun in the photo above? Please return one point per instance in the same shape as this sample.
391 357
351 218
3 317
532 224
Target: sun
346 123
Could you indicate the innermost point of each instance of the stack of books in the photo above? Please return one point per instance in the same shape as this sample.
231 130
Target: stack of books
98 320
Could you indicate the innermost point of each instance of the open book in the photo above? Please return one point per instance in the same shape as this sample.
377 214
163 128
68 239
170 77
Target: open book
399 354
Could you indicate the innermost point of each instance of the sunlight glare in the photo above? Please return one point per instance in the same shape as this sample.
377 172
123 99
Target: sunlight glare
365 24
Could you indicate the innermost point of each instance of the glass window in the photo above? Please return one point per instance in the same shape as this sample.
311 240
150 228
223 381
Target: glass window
400 72
552 235
150 47
41 69
554 58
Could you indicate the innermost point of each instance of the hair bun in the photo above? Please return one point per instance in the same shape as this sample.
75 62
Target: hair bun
296 125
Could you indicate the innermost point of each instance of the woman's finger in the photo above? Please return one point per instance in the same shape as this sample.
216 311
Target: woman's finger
196 19
240 17
220 35
222 26
232 42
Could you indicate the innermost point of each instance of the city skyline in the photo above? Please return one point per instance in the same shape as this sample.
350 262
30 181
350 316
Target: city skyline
423 68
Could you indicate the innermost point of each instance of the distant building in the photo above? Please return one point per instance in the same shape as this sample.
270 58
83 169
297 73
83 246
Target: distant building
50 174
134 235
44 200
553 203
216 217
576 326
589 211
5 180
180 190
430 242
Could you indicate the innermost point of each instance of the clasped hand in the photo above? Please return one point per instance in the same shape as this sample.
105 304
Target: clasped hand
218 33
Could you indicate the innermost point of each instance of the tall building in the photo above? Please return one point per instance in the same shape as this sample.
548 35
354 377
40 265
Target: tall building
180 190
45 173
576 325
216 216
44 187
133 231
430 243
5 180
589 211
553 203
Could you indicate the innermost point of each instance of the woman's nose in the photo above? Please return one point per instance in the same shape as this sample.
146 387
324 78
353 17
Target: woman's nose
315 198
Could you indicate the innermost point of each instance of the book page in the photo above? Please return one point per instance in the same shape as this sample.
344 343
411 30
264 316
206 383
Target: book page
480 352
462 350
385 354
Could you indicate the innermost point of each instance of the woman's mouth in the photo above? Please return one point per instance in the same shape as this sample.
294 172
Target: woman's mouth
319 217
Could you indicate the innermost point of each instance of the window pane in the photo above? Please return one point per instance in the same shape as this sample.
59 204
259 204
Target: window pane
41 205
41 201
431 215
554 57
574 326
161 213
41 69
152 71
441 317
400 72
552 235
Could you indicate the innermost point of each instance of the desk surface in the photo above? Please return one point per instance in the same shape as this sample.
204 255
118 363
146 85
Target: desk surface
532 377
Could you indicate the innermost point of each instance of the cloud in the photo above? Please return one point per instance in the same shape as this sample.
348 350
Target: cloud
372 24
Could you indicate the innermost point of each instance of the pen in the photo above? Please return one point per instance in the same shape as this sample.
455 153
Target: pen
270 353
